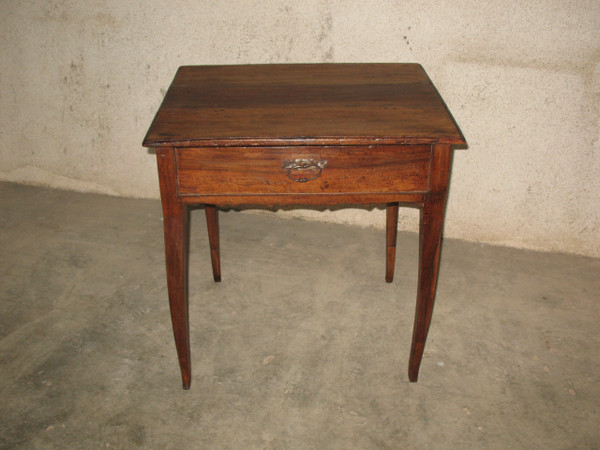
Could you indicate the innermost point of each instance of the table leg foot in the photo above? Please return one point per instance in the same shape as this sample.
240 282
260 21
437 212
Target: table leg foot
212 223
391 233
413 371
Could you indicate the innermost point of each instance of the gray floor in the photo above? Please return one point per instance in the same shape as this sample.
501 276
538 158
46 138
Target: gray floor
302 345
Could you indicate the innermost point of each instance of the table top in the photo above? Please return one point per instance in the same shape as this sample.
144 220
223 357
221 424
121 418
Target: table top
302 104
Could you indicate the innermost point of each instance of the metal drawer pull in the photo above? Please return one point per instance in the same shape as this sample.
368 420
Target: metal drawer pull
302 165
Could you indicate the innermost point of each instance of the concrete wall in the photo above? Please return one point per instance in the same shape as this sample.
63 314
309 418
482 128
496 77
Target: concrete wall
80 81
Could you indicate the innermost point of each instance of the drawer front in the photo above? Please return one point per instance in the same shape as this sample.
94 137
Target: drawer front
302 170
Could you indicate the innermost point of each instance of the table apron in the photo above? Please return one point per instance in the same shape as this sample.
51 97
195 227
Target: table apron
275 200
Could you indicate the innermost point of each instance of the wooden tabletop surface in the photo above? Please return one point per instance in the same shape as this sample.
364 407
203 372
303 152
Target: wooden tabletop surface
302 104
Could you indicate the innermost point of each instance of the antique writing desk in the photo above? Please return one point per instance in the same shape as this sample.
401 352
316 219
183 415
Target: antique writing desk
314 134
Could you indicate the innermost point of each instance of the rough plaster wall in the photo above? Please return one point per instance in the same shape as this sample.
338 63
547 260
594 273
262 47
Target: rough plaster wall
80 82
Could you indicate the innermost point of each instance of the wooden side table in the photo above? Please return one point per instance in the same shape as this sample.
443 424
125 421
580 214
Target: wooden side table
309 134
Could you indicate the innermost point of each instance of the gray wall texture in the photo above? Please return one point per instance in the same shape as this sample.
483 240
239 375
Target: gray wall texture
80 82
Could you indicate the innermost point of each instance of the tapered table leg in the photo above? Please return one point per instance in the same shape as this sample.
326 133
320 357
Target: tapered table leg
429 258
212 223
176 228
391 234
430 242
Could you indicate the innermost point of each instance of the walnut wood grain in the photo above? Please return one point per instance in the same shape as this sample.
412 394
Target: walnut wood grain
212 223
176 226
260 170
355 134
391 234
319 104
430 240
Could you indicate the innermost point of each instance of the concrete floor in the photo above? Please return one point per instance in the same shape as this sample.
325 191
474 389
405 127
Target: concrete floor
302 346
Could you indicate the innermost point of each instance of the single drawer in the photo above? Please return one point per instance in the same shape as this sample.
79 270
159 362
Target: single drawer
303 169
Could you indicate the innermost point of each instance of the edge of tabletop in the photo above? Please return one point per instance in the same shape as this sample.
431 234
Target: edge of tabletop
303 141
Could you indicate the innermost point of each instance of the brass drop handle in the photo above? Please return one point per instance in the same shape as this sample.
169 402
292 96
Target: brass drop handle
292 167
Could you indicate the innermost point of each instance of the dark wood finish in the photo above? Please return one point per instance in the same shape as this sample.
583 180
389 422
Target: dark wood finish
176 225
391 233
259 170
275 200
212 223
314 134
430 241
320 104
